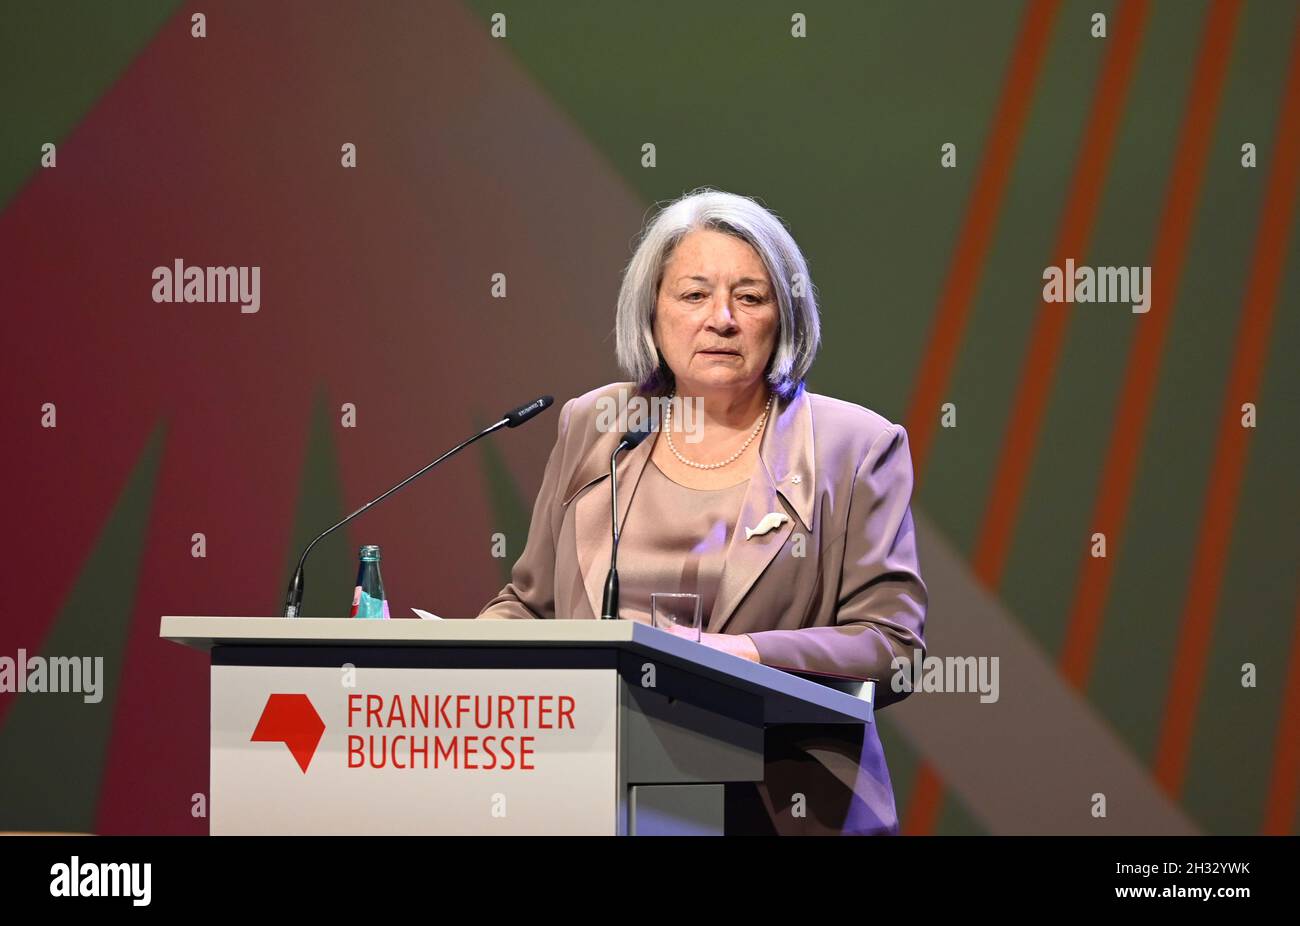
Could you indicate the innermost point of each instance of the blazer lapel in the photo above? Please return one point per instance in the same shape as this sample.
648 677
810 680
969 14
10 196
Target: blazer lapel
782 482
591 515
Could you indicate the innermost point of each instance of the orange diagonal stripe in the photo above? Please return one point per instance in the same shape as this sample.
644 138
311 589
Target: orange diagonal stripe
1025 422
1279 811
1119 472
1206 582
958 291
977 229
923 807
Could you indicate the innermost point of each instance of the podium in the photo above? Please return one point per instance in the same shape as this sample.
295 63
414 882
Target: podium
491 727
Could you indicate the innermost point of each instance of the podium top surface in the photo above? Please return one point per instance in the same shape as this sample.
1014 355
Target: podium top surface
787 698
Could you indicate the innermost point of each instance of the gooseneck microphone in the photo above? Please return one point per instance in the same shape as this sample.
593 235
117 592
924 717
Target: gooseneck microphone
511 419
609 606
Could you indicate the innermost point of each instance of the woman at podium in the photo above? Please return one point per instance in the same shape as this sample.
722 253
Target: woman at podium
787 513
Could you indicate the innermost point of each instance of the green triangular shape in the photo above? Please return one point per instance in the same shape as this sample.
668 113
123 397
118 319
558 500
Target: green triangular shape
332 567
60 60
54 744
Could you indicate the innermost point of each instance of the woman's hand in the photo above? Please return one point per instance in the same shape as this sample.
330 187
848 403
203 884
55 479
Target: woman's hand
737 644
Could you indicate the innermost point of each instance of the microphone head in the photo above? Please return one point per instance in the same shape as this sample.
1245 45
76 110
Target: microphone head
635 436
518 416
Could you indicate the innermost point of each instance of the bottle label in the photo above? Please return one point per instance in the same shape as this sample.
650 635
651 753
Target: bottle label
366 607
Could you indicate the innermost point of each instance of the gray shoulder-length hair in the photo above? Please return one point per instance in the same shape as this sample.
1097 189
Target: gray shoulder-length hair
799 332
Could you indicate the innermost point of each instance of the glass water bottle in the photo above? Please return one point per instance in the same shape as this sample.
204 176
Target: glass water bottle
368 599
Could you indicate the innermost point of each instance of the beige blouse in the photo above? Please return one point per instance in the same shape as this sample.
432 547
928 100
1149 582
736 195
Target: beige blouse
674 540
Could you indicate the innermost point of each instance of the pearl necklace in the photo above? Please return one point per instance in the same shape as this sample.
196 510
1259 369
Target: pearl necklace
668 432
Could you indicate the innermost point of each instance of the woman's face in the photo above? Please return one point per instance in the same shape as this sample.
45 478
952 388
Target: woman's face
716 314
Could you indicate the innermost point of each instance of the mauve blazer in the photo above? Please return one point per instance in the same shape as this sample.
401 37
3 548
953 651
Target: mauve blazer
835 590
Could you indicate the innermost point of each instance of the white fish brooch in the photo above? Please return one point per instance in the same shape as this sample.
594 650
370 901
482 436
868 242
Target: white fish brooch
771 521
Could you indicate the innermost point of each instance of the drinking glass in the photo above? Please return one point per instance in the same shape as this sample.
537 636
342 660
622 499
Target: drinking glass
677 613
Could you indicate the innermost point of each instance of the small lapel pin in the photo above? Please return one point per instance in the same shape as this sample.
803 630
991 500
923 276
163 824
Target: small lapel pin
771 521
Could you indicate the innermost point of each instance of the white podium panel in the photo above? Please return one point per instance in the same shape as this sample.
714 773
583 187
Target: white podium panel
329 750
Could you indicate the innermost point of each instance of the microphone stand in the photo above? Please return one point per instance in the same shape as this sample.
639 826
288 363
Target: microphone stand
293 597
